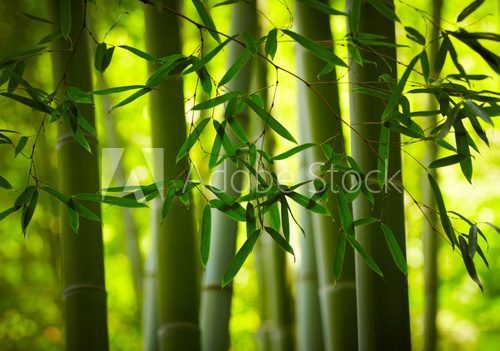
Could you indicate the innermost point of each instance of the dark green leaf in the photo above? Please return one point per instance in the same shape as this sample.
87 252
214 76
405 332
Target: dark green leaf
365 221
326 55
20 145
139 53
395 249
338 261
233 210
415 35
28 211
385 10
240 258
445 220
238 130
344 212
206 58
495 227
424 62
383 155
441 55
462 142
4 183
206 229
236 67
293 151
447 161
218 100
132 97
474 108
307 203
36 105
74 220
170 63
16 76
57 194
167 203
227 2
206 19
65 17
80 139
191 139
469 9
251 220
8 212
271 43
323 8
270 120
99 56
366 256
274 215
37 19
116 89
111 200
50 37
77 96
472 247
469 263
106 60
285 218
280 240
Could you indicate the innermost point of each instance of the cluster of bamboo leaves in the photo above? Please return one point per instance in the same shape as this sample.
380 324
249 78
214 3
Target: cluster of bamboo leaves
458 102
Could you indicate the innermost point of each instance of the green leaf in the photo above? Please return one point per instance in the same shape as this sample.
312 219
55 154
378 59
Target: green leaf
307 203
462 142
338 261
16 76
495 227
238 130
106 60
20 145
216 146
447 161
424 62
469 9
293 151
227 2
99 56
366 256
218 100
80 139
206 228
191 139
116 89
50 37
443 215
73 218
57 194
233 210
4 183
37 19
132 97
285 219
82 122
478 111
111 200
240 258
383 155
365 221
167 203
8 212
398 90
141 54
77 96
36 105
395 249
208 57
441 55
414 132
28 211
280 240
170 63
65 17
385 10
469 263
323 8
206 19
270 120
205 80
274 215
236 67
472 246
251 220
344 212
415 35
271 45
326 55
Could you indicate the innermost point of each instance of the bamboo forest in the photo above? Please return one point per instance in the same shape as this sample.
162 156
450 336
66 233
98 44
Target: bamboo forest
270 175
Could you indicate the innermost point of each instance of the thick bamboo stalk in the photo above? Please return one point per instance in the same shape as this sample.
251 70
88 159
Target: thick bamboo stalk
430 241
178 262
383 312
216 301
337 299
82 253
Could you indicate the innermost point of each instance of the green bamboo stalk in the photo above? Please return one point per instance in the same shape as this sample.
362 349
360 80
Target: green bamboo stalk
82 253
430 241
216 301
337 299
383 311
178 262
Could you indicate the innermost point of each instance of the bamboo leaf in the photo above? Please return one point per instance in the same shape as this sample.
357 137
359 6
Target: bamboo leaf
366 256
285 219
293 151
37 19
218 100
132 97
206 228
472 246
80 139
65 17
326 55
208 57
4 183
167 203
447 161
36 105
100 52
116 89
20 145
415 35
191 139
424 63
78 96
57 194
270 120
323 8
240 258
233 210
307 203
8 212
338 261
171 62
236 67
280 240
216 146
395 249
344 212
28 211
441 55
443 215
383 155
251 220
73 218
385 10
365 221
206 19
462 142
475 109
238 130
110 200
473 6
469 263
139 53
271 45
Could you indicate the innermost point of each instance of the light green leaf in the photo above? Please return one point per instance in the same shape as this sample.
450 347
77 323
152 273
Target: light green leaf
326 55
307 203
111 200
116 89
344 212
397 254
218 100
208 57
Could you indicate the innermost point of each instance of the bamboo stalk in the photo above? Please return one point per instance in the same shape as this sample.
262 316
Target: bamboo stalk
82 253
337 299
383 311
216 301
178 263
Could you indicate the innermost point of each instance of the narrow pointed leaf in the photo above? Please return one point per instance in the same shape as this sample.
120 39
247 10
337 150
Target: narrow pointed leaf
202 62
206 19
271 43
236 67
240 258
4 183
366 256
285 218
447 161
116 89
468 261
383 155
139 53
385 10
443 215
293 151
206 228
73 218
65 17
167 203
395 249
191 139
323 8
469 9
8 212
338 261
280 240
132 97
20 145
216 101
